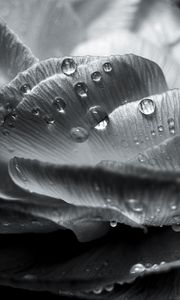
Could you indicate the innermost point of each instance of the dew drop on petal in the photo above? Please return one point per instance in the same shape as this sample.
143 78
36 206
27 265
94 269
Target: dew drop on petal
147 106
141 158
49 119
25 88
171 125
98 290
109 288
68 66
79 134
107 67
153 133
135 205
113 223
160 128
81 90
59 104
176 227
98 118
137 269
96 76
35 111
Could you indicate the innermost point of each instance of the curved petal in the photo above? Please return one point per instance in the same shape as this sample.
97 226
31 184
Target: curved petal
55 112
14 55
36 20
131 196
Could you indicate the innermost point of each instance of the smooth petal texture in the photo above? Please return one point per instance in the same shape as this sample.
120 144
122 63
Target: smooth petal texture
132 196
14 55
38 123
77 269
49 28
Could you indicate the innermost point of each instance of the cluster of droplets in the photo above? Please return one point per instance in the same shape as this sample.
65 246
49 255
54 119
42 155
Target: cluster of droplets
139 269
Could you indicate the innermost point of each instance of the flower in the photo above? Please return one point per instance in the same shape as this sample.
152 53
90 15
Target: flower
90 144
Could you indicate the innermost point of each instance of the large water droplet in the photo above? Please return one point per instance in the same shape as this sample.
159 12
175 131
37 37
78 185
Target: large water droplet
79 134
81 90
171 125
96 76
98 118
176 227
25 88
113 223
135 205
59 104
107 67
147 106
68 66
137 269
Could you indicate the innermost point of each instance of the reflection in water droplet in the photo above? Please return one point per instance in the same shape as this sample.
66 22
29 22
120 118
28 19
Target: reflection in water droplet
68 66
79 134
142 158
98 118
49 119
98 290
137 269
171 125
59 104
113 223
176 228
147 106
81 90
96 76
35 111
160 128
135 205
107 67
25 88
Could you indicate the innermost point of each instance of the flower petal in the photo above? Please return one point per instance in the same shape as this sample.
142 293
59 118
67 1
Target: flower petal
14 55
132 196
41 121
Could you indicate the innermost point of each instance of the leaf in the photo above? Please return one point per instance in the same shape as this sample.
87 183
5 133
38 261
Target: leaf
14 55
40 122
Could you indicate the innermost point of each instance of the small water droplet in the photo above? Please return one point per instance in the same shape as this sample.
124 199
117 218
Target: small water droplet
148 265
98 290
171 125
160 128
59 104
79 134
137 269
142 158
135 205
49 119
153 133
113 223
173 206
81 90
109 288
107 67
98 118
68 66
96 76
147 106
25 88
176 227
35 111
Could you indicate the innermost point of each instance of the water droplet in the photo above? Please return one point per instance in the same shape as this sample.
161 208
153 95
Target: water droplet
153 133
59 104
96 76
68 66
142 158
160 128
147 106
35 111
137 269
79 134
171 125
81 90
25 88
107 67
135 205
49 119
98 118
176 227
173 206
148 265
113 223
109 288
98 290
